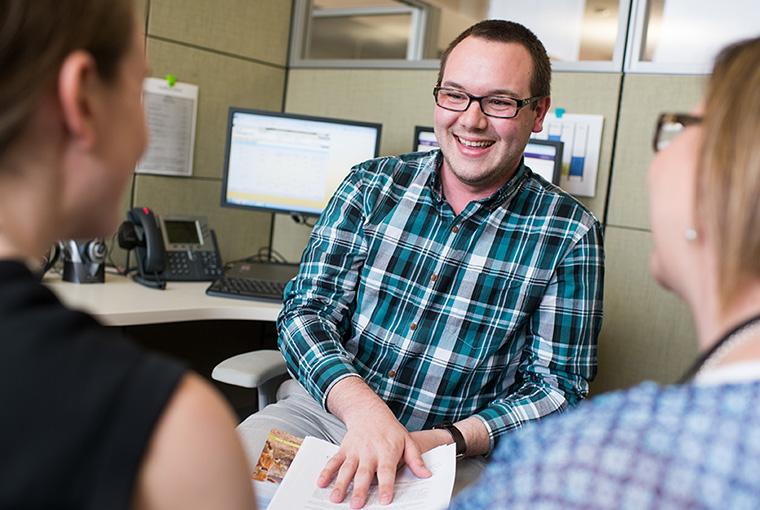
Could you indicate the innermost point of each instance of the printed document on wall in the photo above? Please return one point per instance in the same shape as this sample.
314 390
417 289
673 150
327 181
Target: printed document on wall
171 113
582 137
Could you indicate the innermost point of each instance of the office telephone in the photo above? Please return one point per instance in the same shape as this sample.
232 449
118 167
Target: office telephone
170 248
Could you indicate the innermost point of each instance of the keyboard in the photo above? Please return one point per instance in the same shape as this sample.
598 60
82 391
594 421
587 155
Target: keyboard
246 288
256 281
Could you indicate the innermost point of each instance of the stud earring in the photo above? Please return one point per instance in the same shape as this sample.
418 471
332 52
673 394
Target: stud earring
691 234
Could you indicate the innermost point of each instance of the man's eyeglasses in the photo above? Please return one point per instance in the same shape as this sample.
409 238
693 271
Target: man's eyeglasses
501 107
669 126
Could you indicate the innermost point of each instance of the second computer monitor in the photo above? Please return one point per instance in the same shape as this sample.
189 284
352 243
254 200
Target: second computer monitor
543 157
291 163
424 139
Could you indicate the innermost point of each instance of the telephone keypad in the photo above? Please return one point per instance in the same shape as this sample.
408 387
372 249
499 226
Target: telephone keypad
193 266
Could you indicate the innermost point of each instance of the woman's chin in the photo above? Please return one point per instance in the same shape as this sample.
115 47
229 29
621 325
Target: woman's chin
658 273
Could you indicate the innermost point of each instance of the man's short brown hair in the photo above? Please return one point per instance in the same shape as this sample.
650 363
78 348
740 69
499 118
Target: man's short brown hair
509 32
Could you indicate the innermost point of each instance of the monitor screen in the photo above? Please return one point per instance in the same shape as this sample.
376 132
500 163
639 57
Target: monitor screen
424 139
544 157
291 163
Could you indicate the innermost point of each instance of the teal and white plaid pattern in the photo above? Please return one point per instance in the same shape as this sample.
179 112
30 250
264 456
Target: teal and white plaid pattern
493 313
678 447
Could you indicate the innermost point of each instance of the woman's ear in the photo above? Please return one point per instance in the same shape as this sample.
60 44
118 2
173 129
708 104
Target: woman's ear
78 85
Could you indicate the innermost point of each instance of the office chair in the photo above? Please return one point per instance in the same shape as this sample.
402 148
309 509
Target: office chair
262 370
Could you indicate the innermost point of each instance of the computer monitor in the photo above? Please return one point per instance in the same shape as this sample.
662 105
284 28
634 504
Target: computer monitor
424 139
287 163
544 157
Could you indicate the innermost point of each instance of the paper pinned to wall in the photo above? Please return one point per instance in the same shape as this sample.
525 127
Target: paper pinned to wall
582 136
171 113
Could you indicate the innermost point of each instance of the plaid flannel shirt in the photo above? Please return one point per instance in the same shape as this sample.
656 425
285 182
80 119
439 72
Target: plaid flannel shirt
492 313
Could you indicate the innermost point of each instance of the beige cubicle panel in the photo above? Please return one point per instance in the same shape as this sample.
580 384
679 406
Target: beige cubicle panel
645 96
141 8
591 93
239 232
647 332
223 81
257 29
235 51
396 98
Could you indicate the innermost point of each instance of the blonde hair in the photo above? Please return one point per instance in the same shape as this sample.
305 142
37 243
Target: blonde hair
728 181
35 38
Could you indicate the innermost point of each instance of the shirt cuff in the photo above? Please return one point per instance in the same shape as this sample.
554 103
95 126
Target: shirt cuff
330 387
490 433
325 374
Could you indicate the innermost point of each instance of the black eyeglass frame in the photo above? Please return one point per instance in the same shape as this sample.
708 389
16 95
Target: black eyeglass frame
684 119
521 103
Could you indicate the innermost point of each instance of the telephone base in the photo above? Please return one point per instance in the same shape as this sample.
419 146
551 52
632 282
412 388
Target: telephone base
153 283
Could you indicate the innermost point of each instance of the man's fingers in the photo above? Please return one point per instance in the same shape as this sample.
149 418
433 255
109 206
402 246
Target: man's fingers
362 481
345 475
328 473
413 459
386 477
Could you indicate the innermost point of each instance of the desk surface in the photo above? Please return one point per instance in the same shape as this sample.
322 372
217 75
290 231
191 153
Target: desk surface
122 302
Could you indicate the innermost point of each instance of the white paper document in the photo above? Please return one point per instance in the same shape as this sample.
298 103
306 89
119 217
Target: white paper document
170 112
299 487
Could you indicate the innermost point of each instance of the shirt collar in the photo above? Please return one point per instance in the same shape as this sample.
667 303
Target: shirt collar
510 188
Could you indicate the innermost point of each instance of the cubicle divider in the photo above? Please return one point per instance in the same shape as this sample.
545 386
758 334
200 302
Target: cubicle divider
236 52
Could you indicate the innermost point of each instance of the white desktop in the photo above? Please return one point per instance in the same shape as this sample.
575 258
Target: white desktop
122 302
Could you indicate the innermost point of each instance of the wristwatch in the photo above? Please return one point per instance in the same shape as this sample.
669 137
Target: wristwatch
461 446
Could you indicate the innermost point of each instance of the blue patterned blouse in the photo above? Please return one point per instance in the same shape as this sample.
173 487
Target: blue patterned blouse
691 446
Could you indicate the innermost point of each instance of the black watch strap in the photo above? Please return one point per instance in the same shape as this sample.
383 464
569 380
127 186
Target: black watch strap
456 435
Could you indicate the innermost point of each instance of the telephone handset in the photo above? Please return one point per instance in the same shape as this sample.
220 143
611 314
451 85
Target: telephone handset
172 248
140 232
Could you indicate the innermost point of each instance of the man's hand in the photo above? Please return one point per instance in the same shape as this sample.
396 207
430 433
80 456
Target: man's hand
375 444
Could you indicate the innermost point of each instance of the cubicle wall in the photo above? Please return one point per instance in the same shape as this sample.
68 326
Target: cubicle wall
648 332
236 52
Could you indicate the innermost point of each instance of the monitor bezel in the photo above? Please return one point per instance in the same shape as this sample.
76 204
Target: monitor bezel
228 143
559 146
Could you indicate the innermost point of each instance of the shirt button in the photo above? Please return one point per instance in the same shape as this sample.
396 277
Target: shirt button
413 326
455 229
391 373
434 277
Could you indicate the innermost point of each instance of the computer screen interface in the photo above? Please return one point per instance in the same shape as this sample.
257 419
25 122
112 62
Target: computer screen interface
544 157
291 163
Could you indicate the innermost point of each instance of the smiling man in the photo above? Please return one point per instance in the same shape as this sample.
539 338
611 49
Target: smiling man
446 297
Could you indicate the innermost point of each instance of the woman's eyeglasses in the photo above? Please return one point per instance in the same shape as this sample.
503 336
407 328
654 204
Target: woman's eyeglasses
669 126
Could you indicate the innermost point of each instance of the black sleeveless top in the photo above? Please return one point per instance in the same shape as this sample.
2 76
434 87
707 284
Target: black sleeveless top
78 402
